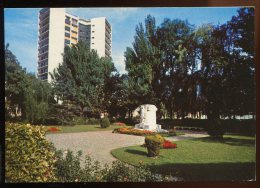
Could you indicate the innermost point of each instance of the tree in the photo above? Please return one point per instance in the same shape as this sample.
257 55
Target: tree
159 63
38 96
15 86
117 95
26 97
80 79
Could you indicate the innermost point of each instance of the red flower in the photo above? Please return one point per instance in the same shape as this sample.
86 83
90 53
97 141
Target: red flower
167 144
53 129
120 124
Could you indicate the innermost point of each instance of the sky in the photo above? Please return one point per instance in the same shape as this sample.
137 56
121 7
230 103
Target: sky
21 27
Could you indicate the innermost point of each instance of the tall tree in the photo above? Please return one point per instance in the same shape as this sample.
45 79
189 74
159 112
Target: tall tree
26 97
15 85
79 80
159 60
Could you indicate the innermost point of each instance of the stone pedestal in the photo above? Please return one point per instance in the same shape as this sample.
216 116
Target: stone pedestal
148 118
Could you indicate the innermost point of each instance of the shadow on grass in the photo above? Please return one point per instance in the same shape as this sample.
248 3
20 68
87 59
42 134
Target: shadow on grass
136 152
230 141
208 172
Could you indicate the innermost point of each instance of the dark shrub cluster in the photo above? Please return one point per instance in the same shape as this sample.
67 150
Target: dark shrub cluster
104 122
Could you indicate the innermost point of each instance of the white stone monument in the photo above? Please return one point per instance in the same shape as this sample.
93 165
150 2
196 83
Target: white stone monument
148 118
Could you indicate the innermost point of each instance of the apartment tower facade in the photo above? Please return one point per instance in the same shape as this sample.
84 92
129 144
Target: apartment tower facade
58 28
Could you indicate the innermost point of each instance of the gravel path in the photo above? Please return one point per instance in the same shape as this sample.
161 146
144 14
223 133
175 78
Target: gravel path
99 144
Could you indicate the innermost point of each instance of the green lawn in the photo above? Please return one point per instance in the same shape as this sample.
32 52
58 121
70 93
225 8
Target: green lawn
199 159
83 128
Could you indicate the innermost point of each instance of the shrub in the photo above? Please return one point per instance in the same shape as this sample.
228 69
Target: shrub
121 172
125 130
70 170
77 120
29 157
153 144
215 129
104 122
93 121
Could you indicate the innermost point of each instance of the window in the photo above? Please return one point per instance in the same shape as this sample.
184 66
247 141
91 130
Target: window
67 21
74 22
67 28
74 38
67 35
93 31
67 41
74 31
93 37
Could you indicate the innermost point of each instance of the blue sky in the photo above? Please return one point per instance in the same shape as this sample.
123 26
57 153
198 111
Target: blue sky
21 25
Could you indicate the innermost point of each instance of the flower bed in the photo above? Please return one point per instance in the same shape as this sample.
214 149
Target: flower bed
53 129
132 131
168 145
120 124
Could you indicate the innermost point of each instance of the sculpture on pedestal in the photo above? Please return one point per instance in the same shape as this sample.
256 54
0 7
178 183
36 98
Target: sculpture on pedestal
148 118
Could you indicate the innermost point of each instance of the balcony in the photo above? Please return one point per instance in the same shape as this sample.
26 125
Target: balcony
44 22
42 53
44 29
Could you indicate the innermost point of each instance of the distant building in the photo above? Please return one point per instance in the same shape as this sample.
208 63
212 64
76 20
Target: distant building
58 28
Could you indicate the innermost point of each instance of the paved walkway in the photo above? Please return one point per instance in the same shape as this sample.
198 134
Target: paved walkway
99 144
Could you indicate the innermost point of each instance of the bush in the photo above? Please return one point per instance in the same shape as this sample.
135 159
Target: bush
215 129
93 121
104 122
29 157
132 131
77 120
153 144
121 172
70 170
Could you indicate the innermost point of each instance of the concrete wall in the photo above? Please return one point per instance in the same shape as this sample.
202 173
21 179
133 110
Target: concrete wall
97 40
56 38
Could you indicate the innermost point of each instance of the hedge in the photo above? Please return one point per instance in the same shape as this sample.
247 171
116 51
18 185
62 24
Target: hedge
29 157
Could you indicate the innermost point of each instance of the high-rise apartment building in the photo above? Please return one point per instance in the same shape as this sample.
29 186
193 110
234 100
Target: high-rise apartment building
58 28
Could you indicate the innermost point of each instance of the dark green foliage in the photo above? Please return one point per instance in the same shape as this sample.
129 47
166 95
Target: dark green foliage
116 91
104 122
244 127
153 144
93 121
215 129
163 67
81 77
16 85
29 157
27 98
121 172
71 168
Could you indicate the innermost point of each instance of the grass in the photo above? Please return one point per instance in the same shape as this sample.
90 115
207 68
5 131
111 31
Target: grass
83 128
199 159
